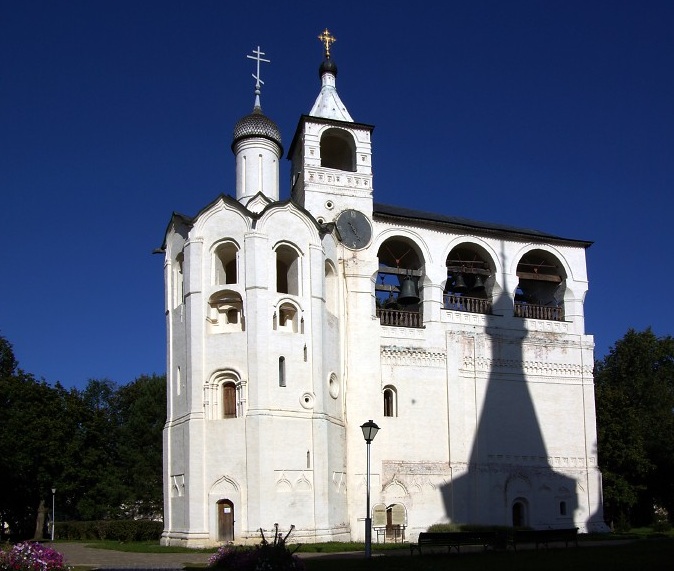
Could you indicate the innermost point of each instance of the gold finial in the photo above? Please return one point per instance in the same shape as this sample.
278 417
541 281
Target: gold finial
327 39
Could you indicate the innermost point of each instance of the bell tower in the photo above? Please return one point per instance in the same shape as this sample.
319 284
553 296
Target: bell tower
331 154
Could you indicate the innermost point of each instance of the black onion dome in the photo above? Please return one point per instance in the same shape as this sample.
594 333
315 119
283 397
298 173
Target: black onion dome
327 66
257 124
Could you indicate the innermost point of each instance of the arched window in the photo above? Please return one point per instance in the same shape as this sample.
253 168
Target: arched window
224 264
338 150
288 318
281 371
330 289
287 270
224 396
390 404
178 280
562 508
228 400
225 312
541 287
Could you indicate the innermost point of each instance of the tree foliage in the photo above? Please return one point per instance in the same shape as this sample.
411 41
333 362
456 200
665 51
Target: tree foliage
634 387
100 447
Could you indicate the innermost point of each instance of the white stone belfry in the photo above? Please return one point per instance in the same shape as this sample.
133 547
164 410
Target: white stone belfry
292 322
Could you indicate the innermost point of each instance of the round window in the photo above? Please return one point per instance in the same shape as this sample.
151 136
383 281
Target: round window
333 386
307 400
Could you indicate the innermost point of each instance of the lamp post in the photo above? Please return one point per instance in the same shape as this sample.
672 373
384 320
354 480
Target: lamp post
370 430
53 512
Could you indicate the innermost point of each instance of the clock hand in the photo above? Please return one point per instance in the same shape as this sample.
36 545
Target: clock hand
355 232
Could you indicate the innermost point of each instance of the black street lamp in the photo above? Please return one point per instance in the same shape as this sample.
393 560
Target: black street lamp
53 512
370 430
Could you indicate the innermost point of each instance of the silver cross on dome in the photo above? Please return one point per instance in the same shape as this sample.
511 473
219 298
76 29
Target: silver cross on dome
258 82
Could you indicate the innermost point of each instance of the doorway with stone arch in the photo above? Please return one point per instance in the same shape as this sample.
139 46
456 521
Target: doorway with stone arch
225 520
520 513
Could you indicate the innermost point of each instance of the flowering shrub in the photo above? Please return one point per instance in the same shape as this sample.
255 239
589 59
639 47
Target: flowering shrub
32 557
661 519
267 556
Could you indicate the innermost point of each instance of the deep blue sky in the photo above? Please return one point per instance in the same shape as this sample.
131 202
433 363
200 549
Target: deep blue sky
555 115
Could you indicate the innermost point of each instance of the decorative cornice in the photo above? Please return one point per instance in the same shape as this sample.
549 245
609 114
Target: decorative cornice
567 371
412 356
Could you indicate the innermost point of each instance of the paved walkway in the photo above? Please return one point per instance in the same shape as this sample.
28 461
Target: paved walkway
79 554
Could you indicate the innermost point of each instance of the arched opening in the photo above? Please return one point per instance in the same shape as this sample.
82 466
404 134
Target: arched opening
228 400
281 371
225 312
224 264
178 280
330 289
338 150
287 318
390 404
469 280
540 291
398 285
519 513
287 270
225 520
224 396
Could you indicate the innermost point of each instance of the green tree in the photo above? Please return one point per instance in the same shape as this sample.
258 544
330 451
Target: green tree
35 430
634 387
141 415
93 475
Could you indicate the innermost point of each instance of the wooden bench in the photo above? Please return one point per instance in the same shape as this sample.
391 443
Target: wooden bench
545 536
454 539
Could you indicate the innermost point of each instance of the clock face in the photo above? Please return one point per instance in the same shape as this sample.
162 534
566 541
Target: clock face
354 229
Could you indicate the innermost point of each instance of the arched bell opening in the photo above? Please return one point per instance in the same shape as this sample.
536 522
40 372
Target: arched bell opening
338 150
470 280
542 283
398 285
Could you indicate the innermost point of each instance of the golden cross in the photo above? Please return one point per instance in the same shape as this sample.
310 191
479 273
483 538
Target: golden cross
327 39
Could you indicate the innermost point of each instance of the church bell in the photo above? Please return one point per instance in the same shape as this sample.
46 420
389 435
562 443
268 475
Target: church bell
479 283
408 292
459 284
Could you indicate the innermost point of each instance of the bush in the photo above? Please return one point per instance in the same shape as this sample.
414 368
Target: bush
115 530
264 557
31 557
622 523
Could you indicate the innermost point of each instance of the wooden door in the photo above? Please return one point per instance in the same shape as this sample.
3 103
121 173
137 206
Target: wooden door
225 520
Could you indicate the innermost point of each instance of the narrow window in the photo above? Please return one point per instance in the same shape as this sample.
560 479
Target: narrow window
179 280
389 402
308 459
562 508
281 371
229 400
